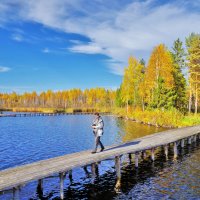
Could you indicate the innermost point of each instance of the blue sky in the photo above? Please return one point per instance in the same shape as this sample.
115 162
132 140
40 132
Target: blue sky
52 44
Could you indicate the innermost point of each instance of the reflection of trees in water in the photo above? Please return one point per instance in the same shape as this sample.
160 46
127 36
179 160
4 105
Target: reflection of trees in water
171 175
130 130
107 186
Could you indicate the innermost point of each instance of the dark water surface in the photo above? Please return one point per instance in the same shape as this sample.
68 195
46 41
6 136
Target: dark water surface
27 139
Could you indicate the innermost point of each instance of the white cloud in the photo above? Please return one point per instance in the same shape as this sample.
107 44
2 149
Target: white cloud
114 29
75 41
4 69
54 51
116 67
3 13
90 48
17 37
46 50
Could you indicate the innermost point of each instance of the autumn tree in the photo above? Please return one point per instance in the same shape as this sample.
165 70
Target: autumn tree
142 83
118 99
159 78
193 48
130 84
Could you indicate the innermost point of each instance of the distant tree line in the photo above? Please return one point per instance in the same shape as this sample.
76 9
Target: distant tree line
74 98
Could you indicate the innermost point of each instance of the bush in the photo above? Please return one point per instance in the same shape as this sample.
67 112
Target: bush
171 118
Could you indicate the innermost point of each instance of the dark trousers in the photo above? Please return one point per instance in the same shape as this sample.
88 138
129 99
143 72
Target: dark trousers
98 142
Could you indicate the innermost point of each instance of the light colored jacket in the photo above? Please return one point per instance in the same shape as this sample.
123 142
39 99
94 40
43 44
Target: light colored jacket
98 128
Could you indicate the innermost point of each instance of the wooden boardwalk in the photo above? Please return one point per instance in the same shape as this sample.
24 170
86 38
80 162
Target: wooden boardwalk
18 176
35 114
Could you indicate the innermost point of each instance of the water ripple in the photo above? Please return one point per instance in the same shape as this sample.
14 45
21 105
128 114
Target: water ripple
29 139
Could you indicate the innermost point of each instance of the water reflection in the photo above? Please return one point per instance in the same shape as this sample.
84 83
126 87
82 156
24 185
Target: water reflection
129 130
172 179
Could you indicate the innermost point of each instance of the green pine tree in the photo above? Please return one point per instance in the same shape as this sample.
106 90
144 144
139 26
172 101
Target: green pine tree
163 98
178 55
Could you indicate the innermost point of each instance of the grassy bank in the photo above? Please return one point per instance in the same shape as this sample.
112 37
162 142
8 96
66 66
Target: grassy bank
3 109
171 118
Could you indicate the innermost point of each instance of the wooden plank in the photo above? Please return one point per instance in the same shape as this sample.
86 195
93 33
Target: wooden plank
14 177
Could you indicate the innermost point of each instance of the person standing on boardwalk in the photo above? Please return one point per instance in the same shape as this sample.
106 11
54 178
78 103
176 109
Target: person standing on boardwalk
97 127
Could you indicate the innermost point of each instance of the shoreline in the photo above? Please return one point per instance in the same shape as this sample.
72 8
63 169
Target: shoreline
157 118
145 123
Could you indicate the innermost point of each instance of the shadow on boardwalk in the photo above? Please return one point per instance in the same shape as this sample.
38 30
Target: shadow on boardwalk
123 145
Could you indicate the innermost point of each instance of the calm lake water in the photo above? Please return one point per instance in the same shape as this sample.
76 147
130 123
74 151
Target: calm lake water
27 139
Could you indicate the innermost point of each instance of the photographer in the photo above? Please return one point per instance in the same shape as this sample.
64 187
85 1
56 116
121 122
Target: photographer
97 127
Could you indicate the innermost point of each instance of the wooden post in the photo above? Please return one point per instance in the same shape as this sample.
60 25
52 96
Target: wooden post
62 175
130 157
189 140
175 150
93 169
136 159
182 143
118 186
117 167
16 195
86 171
153 154
166 151
195 138
70 174
40 186
144 155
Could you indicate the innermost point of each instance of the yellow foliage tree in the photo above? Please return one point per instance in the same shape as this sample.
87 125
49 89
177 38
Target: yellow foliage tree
160 65
193 46
133 77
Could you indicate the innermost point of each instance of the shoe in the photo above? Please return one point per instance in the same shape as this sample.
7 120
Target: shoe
102 149
93 152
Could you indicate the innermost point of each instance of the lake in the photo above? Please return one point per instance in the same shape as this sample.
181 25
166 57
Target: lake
27 139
